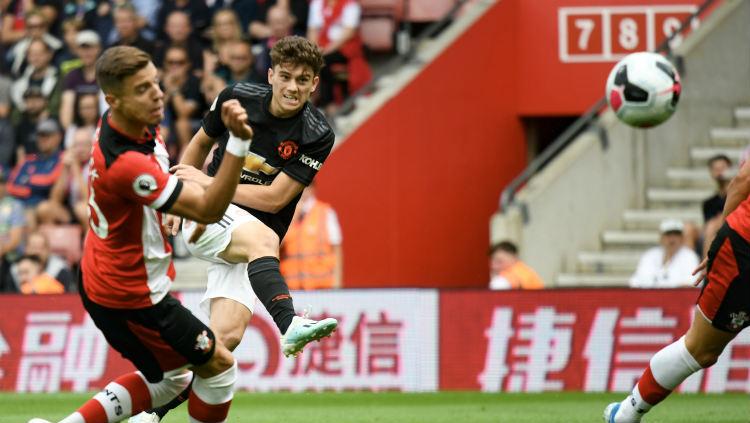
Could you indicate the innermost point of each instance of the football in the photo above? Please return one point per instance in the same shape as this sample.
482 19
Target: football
643 89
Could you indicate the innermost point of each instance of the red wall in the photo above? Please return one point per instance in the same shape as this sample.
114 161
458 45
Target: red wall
416 185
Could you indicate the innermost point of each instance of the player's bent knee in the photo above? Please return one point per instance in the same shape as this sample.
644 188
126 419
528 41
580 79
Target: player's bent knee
220 361
232 337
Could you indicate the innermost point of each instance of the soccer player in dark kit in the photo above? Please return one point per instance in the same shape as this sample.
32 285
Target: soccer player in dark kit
127 266
291 141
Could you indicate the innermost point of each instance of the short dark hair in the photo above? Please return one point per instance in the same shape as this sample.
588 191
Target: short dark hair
118 63
297 50
506 246
718 157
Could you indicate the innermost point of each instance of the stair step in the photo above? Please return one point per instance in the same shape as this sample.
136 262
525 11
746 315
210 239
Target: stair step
600 261
685 196
630 239
742 116
592 279
730 137
700 155
651 218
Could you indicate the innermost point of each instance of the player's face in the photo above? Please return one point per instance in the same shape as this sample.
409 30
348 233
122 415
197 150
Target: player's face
292 87
141 99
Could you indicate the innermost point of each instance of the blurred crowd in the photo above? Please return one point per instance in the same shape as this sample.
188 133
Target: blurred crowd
50 103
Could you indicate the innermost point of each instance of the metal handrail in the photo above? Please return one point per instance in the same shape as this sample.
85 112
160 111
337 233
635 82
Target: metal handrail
507 197
402 59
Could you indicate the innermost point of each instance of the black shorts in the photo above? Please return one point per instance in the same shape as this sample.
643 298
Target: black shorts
725 297
156 339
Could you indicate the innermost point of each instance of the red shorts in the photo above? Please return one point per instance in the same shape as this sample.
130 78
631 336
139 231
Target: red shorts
725 297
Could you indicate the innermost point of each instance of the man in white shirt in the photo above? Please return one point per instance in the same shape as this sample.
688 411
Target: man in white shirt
669 265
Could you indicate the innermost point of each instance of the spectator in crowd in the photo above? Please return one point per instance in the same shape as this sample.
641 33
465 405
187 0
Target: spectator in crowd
720 168
311 255
197 10
128 28
280 24
86 116
68 200
33 280
31 180
35 111
508 271
334 25
259 27
81 80
182 97
7 130
83 11
668 265
180 34
36 29
14 14
41 73
240 66
225 28
12 227
37 245
66 58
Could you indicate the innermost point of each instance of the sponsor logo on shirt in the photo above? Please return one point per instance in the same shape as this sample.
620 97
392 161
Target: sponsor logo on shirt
144 185
311 162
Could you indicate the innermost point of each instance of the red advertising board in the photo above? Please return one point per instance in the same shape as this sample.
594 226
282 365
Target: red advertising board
583 340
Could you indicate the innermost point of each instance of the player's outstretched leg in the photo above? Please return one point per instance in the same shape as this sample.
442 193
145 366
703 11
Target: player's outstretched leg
270 287
668 368
128 394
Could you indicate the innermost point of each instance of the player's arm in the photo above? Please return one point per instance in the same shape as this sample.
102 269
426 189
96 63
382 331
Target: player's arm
738 190
269 198
207 205
197 150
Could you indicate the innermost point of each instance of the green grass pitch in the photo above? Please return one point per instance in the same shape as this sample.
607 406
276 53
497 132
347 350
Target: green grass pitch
446 407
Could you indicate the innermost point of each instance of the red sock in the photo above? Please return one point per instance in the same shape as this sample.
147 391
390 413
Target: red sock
207 413
123 397
649 388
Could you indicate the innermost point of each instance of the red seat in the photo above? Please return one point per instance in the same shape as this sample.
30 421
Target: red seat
377 33
428 10
64 240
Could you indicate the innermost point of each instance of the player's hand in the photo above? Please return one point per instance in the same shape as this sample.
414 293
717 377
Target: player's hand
701 269
172 223
234 117
189 173
197 232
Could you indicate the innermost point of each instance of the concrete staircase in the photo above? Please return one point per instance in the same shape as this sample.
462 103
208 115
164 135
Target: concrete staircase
686 189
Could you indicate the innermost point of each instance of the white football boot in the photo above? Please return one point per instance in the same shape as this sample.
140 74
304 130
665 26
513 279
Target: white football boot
611 412
144 417
302 331
38 420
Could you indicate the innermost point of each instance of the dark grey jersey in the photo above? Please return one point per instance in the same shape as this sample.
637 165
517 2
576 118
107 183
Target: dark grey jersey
297 145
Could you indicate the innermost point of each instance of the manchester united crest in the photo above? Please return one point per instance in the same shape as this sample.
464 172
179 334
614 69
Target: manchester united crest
287 149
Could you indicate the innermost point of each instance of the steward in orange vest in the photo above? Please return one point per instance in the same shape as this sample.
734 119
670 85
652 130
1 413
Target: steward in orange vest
508 271
310 259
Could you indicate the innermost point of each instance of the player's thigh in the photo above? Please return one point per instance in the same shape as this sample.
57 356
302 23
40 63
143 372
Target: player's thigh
228 281
725 298
120 334
249 241
705 342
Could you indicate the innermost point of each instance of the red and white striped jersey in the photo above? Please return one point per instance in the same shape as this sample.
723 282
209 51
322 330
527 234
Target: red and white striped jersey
127 261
